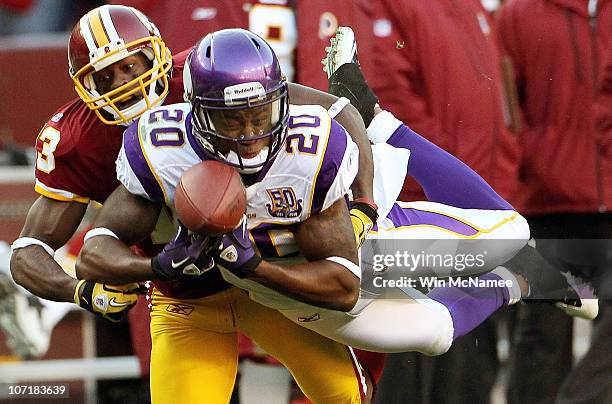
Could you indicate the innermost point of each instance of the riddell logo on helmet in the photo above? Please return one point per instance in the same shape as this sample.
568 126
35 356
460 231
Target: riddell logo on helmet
244 90
241 92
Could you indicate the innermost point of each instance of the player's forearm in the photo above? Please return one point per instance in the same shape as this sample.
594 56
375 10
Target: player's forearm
320 283
35 270
106 259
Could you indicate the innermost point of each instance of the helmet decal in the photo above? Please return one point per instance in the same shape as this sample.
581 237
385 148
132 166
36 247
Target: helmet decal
239 94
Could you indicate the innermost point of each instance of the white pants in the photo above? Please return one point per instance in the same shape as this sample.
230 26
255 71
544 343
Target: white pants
413 322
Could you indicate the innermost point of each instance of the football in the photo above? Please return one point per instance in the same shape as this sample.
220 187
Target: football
210 198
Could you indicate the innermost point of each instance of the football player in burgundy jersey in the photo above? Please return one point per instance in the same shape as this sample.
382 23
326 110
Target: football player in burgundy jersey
110 47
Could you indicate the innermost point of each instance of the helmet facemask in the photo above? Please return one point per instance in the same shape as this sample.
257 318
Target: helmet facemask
151 86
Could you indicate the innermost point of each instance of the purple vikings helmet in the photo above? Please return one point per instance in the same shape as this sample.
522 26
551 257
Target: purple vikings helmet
228 75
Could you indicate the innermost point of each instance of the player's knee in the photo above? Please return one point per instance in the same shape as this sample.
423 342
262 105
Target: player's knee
517 237
441 325
521 229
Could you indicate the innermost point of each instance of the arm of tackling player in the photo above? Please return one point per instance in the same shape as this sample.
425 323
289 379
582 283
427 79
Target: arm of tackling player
350 118
52 223
330 279
108 259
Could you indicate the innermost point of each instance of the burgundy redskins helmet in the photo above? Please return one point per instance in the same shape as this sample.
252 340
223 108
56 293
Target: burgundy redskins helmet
106 35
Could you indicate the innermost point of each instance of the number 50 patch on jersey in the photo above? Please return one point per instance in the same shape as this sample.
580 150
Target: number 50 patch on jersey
285 203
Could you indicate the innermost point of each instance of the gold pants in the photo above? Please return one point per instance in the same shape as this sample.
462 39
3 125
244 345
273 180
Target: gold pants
195 351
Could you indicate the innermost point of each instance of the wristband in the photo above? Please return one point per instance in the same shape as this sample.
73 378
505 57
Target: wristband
23 242
348 264
338 106
367 207
366 201
247 269
99 231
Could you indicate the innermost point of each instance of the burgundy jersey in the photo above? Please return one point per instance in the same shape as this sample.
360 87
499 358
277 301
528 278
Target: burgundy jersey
76 152
317 21
183 23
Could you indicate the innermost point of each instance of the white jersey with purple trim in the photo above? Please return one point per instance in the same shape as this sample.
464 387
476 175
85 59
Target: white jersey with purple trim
315 168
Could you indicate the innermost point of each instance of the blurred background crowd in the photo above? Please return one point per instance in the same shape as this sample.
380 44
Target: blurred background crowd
520 90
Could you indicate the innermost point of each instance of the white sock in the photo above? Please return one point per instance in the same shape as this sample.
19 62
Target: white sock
382 127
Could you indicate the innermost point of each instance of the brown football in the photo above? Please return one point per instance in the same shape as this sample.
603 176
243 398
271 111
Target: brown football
210 198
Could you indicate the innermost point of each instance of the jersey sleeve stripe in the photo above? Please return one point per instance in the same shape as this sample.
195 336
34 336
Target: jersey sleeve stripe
330 164
140 164
312 195
58 194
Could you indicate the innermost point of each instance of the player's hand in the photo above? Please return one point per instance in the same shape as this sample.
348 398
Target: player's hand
109 301
185 256
236 253
363 217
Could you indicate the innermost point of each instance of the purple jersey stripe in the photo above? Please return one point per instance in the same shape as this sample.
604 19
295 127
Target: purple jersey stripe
412 217
332 159
139 165
264 243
